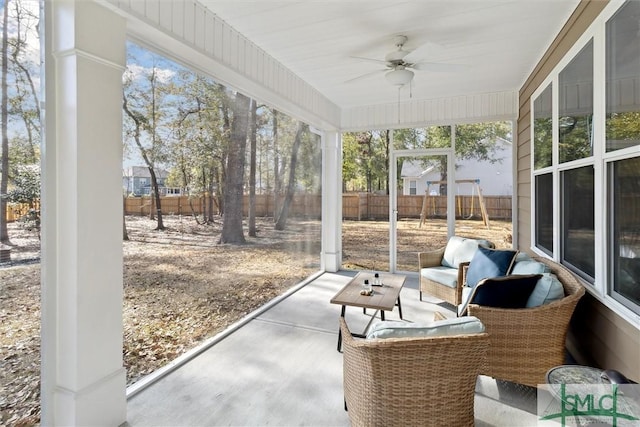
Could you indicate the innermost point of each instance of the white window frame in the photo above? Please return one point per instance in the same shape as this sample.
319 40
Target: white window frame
600 161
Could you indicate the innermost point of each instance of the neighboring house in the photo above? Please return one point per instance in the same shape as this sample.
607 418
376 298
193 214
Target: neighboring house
495 179
136 181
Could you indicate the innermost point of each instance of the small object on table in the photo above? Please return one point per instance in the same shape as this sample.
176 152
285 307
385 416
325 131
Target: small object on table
376 280
366 287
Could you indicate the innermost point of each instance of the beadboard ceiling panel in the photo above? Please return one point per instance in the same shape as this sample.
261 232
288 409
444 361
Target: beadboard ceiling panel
305 56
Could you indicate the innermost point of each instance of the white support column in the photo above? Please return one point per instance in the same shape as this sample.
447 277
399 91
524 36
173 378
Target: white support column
332 202
83 379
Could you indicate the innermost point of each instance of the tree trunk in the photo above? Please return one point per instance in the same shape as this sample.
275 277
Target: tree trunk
211 192
4 176
252 169
386 158
284 213
276 164
156 195
125 234
152 206
233 195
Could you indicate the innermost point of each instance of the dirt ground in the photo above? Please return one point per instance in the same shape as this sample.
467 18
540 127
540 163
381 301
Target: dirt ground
181 287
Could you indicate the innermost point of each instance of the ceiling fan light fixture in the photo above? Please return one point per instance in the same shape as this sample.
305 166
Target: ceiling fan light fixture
399 77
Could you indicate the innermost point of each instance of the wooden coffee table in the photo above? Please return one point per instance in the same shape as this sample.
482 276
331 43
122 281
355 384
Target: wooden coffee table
384 297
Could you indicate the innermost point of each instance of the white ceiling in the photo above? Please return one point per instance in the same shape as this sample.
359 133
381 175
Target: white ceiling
498 41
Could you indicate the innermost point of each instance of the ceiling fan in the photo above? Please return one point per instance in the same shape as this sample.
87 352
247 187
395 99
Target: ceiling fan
400 63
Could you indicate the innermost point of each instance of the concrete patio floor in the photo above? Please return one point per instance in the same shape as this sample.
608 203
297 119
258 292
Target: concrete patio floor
281 368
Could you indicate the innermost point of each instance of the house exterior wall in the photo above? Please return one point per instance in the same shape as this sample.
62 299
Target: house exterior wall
598 335
493 179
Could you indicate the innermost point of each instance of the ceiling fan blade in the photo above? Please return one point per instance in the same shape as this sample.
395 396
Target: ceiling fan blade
439 67
377 61
425 50
364 76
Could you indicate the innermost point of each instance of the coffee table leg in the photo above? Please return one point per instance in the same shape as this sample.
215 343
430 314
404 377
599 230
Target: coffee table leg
399 307
382 314
340 330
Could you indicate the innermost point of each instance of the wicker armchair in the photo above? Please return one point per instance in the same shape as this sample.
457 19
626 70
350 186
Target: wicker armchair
526 342
412 381
433 259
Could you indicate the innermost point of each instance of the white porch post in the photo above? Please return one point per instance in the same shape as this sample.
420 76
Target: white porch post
83 380
332 202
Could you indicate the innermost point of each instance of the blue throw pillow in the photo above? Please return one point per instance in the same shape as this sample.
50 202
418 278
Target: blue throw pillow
487 263
503 292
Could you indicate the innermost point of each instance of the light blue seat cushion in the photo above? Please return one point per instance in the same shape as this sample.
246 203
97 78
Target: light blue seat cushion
547 290
489 263
529 267
461 249
447 327
444 275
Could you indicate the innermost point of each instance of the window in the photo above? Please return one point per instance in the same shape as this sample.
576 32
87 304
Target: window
624 185
623 78
575 98
622 128
412 188
544 213
542 129
586 159
578 244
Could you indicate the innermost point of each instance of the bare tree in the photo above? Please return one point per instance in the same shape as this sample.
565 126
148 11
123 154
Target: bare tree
290 190
25 103
234 180
139 123
146 118
4 176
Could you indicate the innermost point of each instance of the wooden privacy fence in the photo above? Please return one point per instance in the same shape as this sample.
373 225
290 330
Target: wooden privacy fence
15 211
303 205
355 206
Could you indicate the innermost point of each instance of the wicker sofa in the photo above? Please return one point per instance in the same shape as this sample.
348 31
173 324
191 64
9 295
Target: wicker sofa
403 381
526 342
441 270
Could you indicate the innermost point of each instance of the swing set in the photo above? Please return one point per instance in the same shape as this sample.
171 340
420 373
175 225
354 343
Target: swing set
475 188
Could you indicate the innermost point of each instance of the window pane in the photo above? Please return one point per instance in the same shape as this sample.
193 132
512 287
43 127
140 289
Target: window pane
623 78
544 212
542 130
576 107
578 220
624 182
